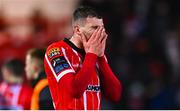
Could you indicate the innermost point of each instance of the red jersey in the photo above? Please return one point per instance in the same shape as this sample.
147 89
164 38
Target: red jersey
17 96
73 77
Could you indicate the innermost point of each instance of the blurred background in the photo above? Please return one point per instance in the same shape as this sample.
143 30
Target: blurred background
143 47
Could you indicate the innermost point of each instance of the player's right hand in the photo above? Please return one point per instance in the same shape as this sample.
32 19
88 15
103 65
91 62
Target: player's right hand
96 43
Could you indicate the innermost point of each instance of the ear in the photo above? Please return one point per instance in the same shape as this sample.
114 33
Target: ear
35 68
7 72
77 30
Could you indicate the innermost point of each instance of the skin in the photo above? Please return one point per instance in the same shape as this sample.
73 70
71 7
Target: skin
31 68
9 77
90 35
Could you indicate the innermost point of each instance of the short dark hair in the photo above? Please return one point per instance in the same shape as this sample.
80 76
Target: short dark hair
15 66
37 53
84 12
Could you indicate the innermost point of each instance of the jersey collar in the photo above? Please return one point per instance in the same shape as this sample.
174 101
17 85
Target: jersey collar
73 46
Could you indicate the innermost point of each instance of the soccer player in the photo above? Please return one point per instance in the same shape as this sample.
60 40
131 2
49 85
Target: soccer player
41 97
77 68
16 92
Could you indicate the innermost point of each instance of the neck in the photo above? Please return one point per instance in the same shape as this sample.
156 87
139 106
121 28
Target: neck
36 75
76 40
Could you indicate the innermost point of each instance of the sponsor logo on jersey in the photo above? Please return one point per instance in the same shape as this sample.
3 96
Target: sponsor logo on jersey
59 64
53 52
94 88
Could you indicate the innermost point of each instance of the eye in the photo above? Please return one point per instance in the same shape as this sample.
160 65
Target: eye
94 27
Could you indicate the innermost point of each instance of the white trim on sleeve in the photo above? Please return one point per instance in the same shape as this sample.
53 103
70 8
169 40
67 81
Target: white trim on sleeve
60 75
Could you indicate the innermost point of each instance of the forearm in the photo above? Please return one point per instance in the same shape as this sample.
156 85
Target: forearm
111 85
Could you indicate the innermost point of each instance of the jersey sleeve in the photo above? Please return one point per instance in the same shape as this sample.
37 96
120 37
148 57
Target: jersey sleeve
58 62
111 86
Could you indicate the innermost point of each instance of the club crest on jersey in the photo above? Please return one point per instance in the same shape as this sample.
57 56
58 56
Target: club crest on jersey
53 52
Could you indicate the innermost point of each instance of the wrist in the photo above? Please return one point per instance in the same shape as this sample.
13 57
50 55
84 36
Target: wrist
91 57
91 54
102 58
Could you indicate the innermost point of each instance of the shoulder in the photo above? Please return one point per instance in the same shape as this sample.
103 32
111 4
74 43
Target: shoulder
60 48
55 45
55 48
63 44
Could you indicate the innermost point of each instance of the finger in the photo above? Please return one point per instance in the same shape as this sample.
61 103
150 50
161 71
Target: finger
104 39
103 43
102 35
83 37
98 34
94 34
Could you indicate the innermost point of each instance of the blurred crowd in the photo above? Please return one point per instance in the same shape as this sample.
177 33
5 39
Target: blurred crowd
143 47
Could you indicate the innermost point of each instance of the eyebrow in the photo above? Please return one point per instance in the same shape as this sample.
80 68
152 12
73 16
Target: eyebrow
96 26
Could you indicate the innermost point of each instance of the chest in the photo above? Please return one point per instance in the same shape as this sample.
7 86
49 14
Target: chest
76 60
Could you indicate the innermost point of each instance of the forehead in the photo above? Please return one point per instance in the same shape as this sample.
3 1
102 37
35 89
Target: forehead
93 21
28 57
